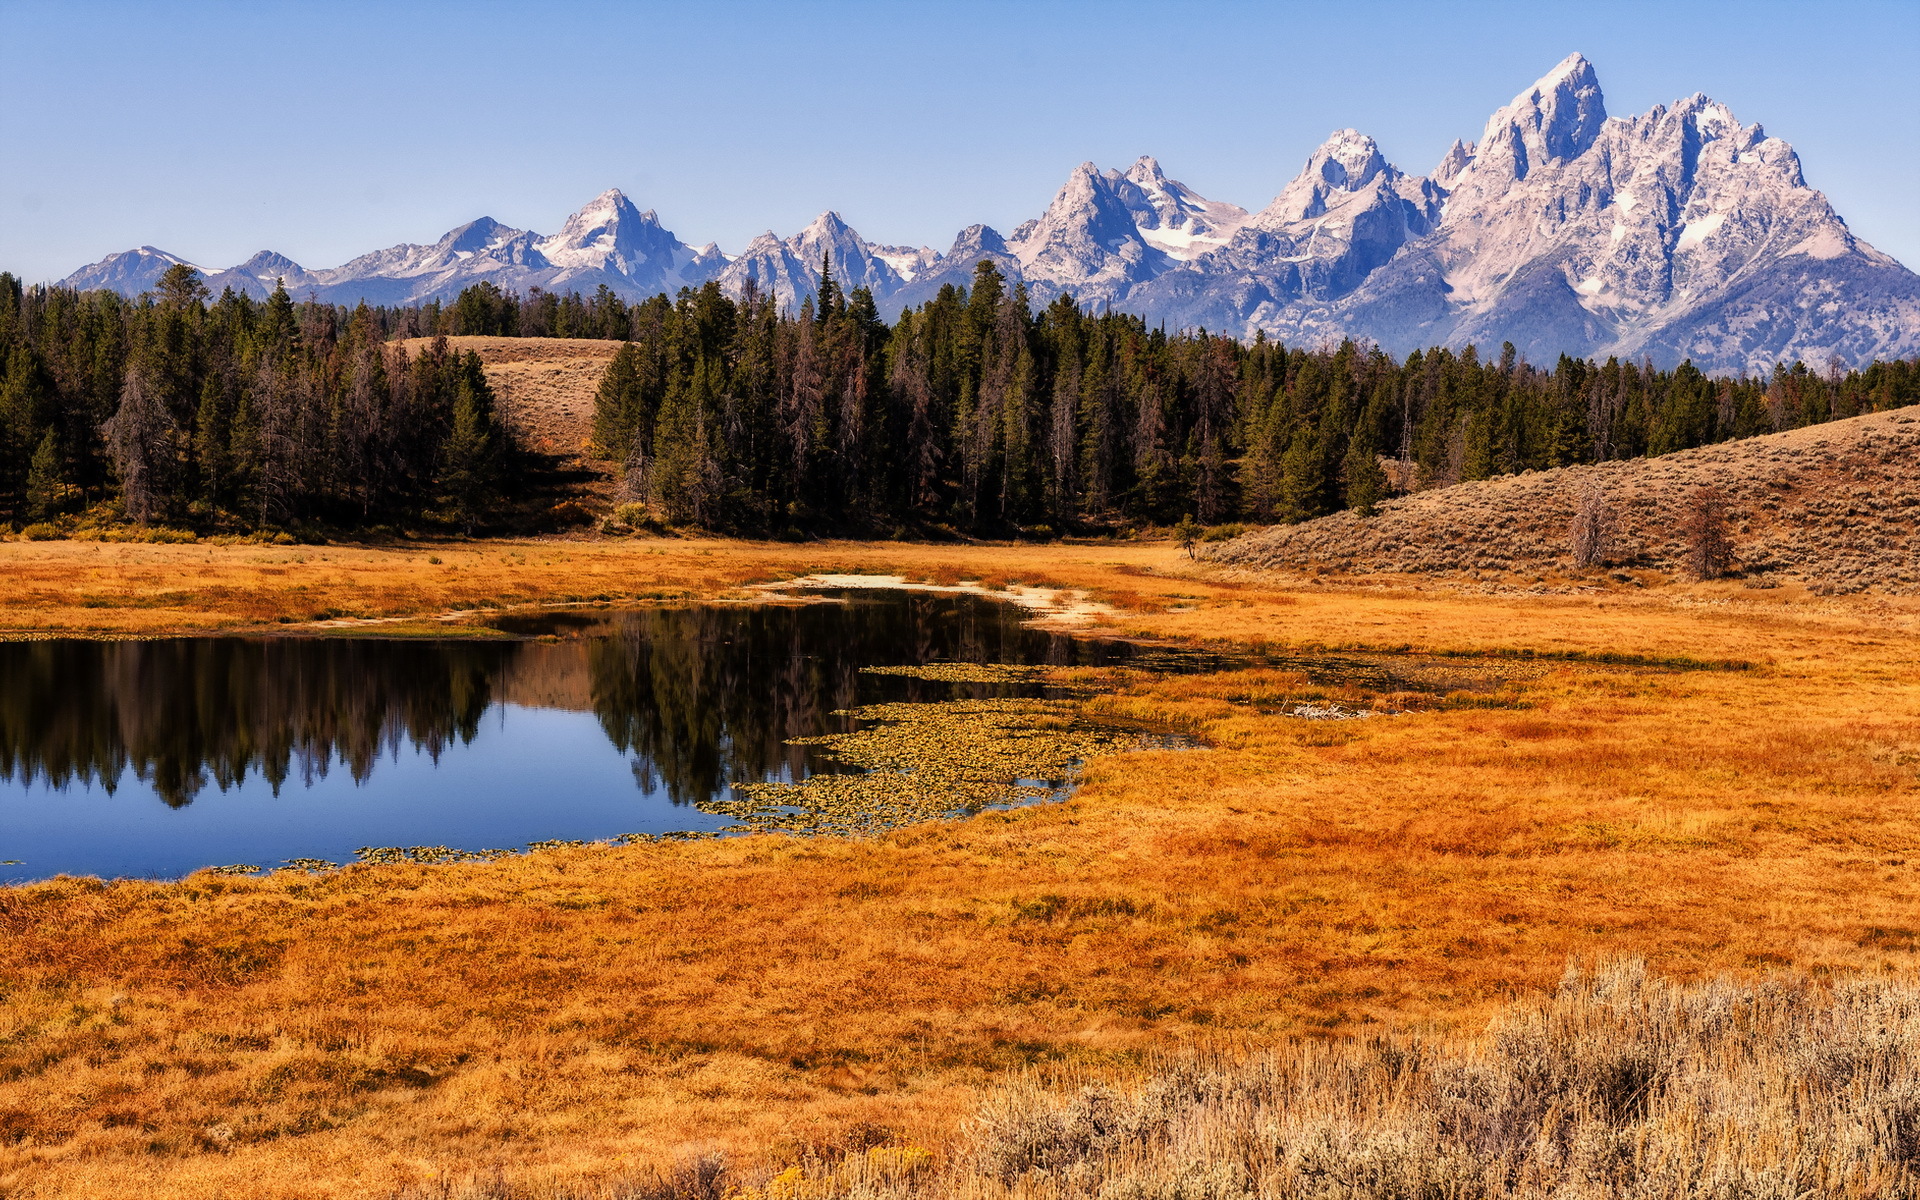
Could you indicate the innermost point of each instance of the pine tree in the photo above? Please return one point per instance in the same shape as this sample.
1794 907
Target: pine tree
1303 478
1366 482
620 411
46 485
213 442
830 303
471 456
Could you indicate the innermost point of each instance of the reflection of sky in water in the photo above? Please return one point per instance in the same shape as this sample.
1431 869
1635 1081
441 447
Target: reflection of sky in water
529 774
462 744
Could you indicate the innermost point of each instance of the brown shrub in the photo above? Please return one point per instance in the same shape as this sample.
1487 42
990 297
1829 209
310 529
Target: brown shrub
1709 543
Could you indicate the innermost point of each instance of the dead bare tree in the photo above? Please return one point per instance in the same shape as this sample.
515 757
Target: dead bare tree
1593 528
140 439
1709 544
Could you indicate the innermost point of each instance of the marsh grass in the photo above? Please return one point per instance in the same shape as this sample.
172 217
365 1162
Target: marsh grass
589 1011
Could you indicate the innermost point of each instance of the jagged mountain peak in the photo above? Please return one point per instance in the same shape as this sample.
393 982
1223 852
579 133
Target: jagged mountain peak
1348 160
788 269
269 260
476 236
1146 173
1556 119
611 235
129 272
1347 164
827 224
1452 163
1106 231
981 238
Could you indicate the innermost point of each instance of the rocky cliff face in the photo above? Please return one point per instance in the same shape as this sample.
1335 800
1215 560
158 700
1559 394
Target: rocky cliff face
1677 233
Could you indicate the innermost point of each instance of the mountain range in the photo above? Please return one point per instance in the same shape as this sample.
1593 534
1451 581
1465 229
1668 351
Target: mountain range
1675 234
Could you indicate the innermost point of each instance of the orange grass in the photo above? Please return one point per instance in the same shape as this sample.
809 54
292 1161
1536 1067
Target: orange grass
586 1011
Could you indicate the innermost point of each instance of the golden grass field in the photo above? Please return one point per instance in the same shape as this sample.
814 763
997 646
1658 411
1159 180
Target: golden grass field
581 1012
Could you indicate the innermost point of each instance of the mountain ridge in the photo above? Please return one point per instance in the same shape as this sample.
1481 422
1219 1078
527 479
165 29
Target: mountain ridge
1675 233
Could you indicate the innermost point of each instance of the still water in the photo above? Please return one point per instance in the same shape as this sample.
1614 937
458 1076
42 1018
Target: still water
152 759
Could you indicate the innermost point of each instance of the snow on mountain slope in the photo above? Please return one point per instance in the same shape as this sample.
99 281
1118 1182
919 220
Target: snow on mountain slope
129 272
611 235
789 268
1172 217
1087 242
609 241
1347 213
1673 232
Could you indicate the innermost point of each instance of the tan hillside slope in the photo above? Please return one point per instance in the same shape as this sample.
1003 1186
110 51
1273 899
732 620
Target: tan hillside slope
1832 506
545 384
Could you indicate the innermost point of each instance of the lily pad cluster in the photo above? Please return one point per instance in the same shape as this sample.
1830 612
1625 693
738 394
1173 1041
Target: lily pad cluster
927 761
425 854
963 672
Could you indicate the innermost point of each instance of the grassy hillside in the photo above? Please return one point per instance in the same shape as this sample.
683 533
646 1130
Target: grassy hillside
545 385
1831 507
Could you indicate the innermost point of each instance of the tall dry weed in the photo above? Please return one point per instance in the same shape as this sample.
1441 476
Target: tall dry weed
1621 1084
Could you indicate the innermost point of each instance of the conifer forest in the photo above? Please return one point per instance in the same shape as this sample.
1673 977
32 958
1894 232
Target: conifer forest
972 414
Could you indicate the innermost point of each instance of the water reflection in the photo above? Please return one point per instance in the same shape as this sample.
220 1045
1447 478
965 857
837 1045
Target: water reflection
270 749
182 714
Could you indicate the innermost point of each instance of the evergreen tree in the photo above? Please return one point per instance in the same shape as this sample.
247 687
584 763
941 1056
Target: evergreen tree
1366 482
470 459
46 486
827 297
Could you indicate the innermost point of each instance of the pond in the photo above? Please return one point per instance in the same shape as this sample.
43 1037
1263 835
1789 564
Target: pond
153 759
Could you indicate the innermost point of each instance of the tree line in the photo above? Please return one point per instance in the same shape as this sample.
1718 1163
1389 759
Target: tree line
976 413
235 413
972 413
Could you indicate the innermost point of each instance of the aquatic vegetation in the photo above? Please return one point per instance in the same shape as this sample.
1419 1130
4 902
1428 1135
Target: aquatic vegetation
923 762
964 672
310 864
425 854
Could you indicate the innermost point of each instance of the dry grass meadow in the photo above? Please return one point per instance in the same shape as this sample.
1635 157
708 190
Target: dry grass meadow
544 386
582 1013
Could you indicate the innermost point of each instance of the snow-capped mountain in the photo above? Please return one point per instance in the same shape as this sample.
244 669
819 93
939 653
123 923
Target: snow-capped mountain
129 272
1346 214
610 241
1676 233
789 269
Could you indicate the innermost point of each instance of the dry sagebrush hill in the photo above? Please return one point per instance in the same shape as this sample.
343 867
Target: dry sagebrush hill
1830 506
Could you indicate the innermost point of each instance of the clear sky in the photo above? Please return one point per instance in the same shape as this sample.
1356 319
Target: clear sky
324 130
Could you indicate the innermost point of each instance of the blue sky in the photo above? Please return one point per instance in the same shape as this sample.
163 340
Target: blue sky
325 130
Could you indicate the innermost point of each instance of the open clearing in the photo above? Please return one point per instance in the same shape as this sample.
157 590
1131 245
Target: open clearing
545 386
584 1011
